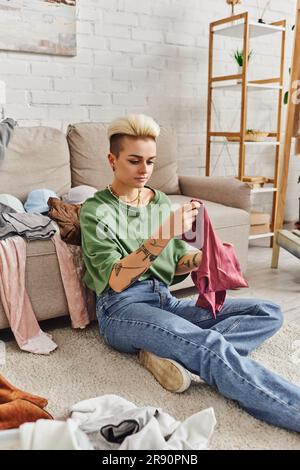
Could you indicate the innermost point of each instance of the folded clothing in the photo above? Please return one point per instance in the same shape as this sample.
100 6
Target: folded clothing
5 208
12 202
29 226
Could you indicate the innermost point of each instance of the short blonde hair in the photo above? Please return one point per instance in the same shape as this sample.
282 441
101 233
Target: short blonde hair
132 125
137 125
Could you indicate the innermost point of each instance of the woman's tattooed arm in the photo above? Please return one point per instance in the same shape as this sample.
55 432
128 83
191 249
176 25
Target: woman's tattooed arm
189 262
126 271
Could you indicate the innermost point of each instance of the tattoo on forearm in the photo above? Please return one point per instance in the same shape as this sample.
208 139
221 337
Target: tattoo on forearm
117 268
187 263
147 253
156 244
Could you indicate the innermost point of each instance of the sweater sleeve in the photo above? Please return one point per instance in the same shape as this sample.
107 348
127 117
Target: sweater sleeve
100 250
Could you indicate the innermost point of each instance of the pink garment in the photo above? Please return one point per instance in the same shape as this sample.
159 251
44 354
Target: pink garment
15 300
74 290
88 295
219 270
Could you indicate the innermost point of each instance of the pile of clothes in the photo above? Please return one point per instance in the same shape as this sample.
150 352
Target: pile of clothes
43 216
33 220
107 422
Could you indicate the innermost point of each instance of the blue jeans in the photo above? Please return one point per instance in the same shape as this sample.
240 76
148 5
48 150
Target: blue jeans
146 316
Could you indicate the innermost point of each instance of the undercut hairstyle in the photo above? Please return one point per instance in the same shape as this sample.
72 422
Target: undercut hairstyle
132 126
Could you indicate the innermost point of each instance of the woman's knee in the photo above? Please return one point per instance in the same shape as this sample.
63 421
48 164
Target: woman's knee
273 311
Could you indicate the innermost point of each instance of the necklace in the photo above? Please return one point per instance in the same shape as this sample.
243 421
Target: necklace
137 198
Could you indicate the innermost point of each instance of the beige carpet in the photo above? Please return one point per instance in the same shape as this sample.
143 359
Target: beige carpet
83 367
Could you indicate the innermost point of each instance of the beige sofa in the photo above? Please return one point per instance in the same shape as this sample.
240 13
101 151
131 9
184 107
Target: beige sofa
43 157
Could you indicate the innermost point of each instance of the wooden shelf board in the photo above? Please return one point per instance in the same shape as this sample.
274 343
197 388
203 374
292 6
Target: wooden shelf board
246 143
255 30
251 86
261 235
264 190
262 143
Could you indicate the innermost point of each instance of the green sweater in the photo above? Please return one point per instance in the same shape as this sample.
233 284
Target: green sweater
111 230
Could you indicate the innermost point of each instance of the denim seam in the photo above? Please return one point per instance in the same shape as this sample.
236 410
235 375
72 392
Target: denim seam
198 323
230 328
237 322
275 398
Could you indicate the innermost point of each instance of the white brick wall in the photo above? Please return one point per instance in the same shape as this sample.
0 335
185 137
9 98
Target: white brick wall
146 56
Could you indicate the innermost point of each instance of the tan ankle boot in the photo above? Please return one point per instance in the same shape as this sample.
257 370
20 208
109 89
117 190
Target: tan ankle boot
170 374
18 412
9 393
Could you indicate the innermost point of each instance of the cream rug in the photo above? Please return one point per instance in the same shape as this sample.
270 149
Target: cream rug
84 367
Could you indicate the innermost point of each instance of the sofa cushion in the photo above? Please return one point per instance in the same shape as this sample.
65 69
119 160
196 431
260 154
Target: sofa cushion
89 148
37 157
88 145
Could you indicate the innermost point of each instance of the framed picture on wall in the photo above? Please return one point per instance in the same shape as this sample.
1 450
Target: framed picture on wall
39 26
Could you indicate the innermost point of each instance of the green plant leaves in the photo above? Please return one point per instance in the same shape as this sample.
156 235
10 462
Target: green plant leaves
238 55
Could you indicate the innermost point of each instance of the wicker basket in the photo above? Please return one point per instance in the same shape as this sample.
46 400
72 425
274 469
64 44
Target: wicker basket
254 136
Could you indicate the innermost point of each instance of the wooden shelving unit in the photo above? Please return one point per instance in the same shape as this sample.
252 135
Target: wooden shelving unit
239 26
283 238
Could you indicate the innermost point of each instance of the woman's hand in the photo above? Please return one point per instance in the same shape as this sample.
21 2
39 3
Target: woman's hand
180 221
196 260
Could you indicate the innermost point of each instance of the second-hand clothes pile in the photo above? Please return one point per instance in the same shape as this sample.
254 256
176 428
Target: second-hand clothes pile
20 224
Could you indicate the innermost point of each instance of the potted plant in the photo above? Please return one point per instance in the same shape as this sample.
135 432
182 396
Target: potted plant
238 56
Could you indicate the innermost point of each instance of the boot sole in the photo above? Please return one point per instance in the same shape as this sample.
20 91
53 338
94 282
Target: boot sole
171 375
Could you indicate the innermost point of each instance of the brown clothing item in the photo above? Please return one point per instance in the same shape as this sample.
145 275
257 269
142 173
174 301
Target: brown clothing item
67 218
18 412
9 393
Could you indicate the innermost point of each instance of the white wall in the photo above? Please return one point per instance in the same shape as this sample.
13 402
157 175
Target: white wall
147 56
